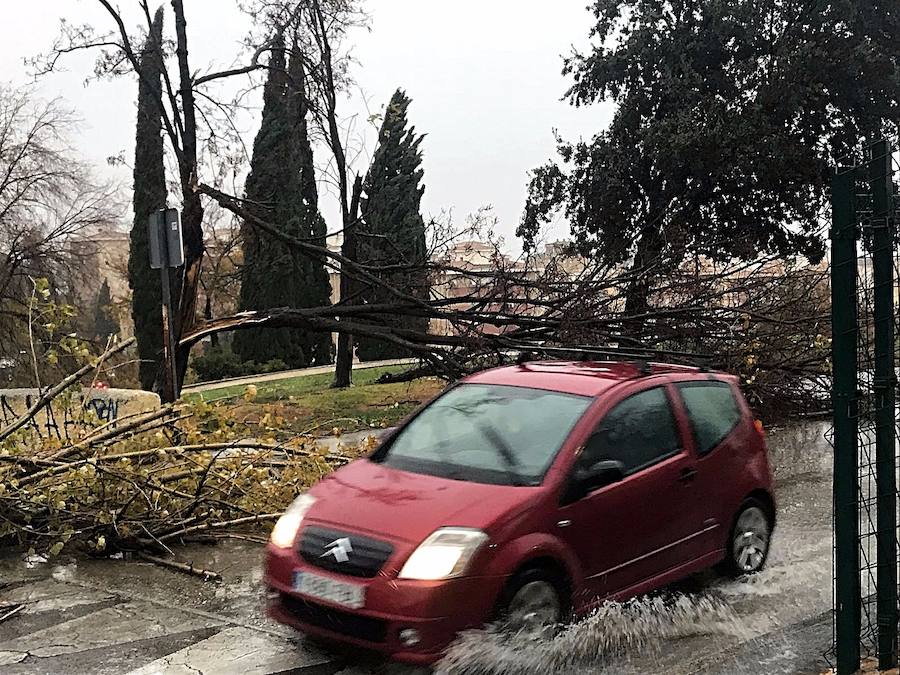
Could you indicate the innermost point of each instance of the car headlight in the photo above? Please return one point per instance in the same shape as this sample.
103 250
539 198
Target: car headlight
445 554
285 530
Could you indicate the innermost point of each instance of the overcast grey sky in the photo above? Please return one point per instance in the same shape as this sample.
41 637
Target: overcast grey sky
484 76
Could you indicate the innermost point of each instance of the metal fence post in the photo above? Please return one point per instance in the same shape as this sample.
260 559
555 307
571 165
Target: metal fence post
885 431
844 365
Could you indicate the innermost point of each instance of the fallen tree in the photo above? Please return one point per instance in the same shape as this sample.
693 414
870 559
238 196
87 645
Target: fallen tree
151 481
766 319
140 491
751 321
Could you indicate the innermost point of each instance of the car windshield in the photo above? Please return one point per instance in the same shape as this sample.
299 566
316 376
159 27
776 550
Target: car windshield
486 434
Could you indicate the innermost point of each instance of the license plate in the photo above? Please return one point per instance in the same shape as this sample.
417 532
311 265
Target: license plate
323 588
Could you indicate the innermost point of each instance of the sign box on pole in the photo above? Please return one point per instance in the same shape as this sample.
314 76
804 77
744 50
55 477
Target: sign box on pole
166 252
169 222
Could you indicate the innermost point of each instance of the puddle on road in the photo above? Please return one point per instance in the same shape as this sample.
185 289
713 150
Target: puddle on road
612 631
671 629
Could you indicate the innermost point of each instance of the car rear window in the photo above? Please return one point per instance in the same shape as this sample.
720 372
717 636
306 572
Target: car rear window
713 412
486 433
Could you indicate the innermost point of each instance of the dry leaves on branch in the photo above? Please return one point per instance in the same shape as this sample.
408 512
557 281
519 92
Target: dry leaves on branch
151 481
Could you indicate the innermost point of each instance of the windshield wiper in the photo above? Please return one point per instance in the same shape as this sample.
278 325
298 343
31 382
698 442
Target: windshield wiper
509 459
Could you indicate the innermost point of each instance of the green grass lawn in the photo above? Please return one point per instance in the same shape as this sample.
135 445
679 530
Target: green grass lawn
308 404
279 390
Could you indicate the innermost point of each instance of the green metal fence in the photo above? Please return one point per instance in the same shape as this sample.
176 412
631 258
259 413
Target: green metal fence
864 314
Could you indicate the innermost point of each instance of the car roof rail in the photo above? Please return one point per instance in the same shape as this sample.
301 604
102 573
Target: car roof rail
642 357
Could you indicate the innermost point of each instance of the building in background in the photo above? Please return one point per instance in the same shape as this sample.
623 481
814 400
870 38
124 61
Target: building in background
102 254
472 271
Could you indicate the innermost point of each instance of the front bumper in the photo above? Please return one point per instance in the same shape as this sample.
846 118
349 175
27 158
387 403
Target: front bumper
436 610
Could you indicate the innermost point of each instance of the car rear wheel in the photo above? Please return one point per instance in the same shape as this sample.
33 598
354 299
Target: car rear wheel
533 603
748 545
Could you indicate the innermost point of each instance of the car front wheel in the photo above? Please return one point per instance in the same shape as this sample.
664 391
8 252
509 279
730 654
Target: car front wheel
533 603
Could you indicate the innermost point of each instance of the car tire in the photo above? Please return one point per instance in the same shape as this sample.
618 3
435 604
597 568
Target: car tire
534 602
749 540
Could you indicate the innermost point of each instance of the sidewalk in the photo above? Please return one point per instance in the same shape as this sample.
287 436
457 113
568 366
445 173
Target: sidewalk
115 617
288 374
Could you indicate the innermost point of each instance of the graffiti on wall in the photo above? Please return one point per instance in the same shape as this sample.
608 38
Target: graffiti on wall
63 421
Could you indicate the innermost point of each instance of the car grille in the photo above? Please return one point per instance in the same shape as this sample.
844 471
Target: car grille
352 625
365 556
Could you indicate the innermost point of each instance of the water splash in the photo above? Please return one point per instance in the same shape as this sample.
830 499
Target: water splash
780 579
613 630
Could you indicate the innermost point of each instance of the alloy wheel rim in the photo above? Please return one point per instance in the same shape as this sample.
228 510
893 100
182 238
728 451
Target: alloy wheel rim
751 540
534 607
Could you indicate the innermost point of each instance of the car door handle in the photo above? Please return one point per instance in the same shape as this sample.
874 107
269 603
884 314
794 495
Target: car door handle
687 475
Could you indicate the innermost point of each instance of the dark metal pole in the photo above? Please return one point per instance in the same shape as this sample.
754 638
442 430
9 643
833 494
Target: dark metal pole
169 376
885 431
844 363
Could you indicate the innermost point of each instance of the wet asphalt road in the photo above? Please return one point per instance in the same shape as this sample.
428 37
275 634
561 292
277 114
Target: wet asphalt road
114 617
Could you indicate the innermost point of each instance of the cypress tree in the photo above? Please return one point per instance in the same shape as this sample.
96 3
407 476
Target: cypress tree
149 196
281 189
393 231
315 289
105 323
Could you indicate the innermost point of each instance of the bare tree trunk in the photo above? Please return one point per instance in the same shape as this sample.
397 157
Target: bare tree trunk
192 215
637 293
343 367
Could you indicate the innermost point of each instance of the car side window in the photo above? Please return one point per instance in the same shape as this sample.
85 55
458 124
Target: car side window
713 412
638 432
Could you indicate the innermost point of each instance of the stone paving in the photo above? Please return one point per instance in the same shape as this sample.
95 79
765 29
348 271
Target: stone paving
78 620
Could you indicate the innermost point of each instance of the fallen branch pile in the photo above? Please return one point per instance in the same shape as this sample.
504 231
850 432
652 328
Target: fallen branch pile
150 481
151 485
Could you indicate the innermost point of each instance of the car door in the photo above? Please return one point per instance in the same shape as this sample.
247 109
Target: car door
719 440
642 524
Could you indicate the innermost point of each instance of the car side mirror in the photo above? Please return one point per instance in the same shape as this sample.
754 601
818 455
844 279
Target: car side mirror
586 480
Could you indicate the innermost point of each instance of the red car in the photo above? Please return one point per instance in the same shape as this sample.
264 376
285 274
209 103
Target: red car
527 493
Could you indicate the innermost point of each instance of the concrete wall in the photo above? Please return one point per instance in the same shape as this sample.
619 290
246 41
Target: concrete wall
66 417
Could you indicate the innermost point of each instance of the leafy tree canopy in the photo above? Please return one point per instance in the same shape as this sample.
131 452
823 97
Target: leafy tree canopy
730 115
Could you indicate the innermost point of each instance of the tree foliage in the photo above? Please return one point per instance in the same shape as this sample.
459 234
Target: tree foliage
149 196
729 116
162 476
281 188
48 201
393 232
